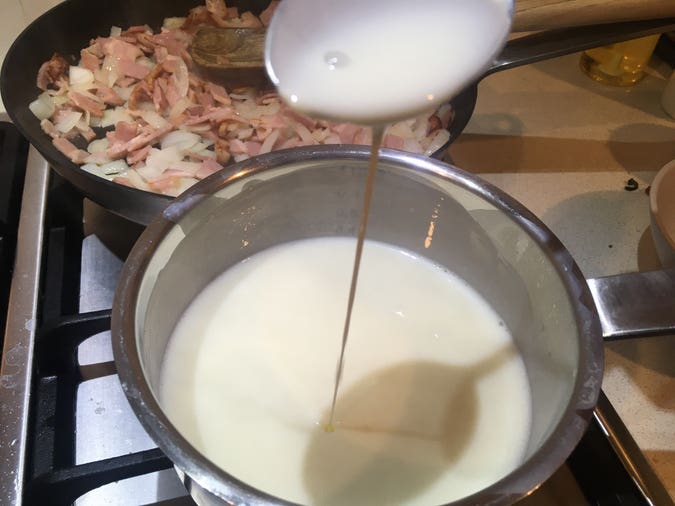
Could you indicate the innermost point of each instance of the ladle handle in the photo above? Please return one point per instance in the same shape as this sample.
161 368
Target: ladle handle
550 44
531 15
635 304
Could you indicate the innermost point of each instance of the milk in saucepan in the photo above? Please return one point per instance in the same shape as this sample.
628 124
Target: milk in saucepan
434 403
376 61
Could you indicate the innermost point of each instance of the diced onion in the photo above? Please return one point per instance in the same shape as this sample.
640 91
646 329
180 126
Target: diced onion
437 142
173 23
67 121
153 119
115 31
115 167
43 106
98 145
79 75
113 116
123 93
181 139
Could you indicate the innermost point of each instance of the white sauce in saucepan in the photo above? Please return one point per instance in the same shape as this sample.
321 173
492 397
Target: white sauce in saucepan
376 61
434 402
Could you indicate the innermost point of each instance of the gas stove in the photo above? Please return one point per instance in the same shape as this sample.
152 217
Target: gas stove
67 434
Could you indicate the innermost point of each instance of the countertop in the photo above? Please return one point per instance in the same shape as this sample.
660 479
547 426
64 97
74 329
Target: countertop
565 146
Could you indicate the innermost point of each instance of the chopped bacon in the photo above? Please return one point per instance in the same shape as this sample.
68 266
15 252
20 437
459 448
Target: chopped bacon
70 150
218 93
266 15
208 167
109 96
120 50
347 132
49 128
123 132
223 153
197 17
138 155
217 8
89 60
86 103
393 141
51 71
215 125
132 69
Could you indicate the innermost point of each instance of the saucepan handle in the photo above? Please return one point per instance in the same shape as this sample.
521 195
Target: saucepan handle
552 43
635 304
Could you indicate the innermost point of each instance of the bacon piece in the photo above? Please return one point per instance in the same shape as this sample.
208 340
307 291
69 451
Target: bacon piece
196 17
120 50
144 139
303 120
86 103
253 148
138 155
393 141
51 71
218 93
346 131
124 132
89 60
246 20
86 131
70 150
205 99
109 96
143 90
132 69
217 8
222 148
49 128
434 124
175 42
158 97
266 15
209 166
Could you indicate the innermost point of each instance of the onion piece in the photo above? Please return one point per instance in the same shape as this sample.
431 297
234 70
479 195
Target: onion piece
67 120
43 107
113 116
152 118
97 171
173 23
114 168
79 76
98 145
115 31
182 139
439 140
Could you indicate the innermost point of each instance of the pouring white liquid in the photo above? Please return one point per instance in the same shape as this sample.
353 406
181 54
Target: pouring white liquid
377 61
434 402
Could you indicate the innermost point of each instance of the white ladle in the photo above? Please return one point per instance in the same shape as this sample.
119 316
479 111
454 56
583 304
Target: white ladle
379 61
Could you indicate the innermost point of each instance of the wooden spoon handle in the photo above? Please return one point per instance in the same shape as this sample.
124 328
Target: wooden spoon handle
531 15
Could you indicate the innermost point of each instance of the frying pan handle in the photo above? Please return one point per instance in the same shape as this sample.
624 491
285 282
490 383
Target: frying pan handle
635 304
551 43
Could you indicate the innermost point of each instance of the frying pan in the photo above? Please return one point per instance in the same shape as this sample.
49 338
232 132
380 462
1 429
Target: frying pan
69 26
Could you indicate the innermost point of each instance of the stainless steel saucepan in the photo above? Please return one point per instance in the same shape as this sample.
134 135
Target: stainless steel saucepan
557 317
